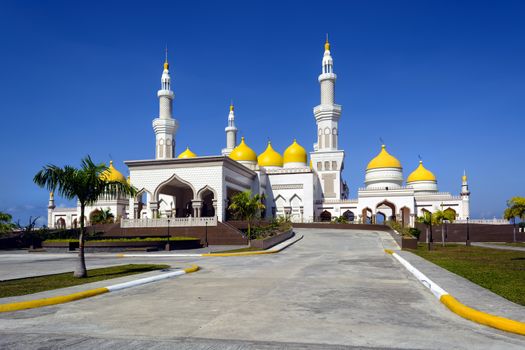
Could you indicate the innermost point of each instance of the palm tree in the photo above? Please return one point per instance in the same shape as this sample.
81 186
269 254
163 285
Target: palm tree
246 207
6 225
428 220
440 217
87 185
515 208
101 216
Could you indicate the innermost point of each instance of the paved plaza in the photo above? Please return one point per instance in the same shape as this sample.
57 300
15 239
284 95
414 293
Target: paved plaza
333 289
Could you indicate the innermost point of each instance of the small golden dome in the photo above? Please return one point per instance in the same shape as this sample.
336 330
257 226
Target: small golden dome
231 107
295 153
270 157
311 165
464 177
243 153
421 174
112 174
187 154
166 65
384 160
327 45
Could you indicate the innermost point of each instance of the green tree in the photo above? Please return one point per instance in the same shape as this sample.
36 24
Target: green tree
6 225
440 217
515 209
87 185
246 207
428 220
101 216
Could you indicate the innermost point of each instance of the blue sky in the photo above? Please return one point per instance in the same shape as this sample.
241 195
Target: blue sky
440 79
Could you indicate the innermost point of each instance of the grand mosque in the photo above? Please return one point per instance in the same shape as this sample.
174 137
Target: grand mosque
188 189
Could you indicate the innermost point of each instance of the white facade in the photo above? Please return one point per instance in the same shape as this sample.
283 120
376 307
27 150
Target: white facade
170 187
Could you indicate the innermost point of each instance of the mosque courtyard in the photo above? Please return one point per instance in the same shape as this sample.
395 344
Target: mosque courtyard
333 289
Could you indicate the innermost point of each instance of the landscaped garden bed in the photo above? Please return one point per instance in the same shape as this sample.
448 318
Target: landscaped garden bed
268 242
501 271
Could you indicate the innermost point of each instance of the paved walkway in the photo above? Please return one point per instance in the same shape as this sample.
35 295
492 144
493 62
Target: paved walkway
498 246
333 289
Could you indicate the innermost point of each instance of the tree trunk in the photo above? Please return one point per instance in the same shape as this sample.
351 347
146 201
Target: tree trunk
442 235
81 270
428 238
514 230
249 235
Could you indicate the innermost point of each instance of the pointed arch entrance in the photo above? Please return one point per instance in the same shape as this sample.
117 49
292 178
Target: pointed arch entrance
387 209
178 194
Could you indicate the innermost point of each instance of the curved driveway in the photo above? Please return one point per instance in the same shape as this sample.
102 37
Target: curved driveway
332 289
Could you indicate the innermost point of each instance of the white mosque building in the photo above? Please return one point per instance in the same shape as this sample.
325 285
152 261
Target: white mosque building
195 190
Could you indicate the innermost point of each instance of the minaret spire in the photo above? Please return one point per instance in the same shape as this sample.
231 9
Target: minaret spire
231 132
165 126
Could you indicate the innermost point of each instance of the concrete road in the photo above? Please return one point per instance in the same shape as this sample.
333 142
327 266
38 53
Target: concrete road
334 289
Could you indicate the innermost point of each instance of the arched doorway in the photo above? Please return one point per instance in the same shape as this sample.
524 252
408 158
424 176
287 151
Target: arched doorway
325 216
405 216
177 192
380 218
388 209
75 223
349 215
61 223
367 215
207 197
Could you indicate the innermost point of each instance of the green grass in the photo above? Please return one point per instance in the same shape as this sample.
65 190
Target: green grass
502 272
37 284
240 250
147 239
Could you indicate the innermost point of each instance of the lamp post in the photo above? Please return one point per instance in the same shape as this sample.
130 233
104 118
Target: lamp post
467 243
445 230
168 241
206 233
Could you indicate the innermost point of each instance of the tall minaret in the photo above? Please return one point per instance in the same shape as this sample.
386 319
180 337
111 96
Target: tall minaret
327 114
231 133
327 159
465 196
50 207
165 126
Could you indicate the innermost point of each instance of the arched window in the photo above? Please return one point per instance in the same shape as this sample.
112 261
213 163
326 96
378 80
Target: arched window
334 138
327 165
327 137
320 141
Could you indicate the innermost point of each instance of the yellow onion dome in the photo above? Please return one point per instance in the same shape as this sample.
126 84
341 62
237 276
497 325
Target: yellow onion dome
270 157
112 174
243 153
384 160
187 154
421 174
295 153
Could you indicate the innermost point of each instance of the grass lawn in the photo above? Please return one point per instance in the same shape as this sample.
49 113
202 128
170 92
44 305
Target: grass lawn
37 284
240 250
502 272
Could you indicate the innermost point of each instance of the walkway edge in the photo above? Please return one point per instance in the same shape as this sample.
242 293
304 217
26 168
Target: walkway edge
498 322
61 299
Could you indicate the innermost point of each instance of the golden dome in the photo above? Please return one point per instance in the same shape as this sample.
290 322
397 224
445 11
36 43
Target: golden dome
311 165
421 174
166 65
112 174
270 157
295 153
327 44
384 160
231 107
243 153
187 154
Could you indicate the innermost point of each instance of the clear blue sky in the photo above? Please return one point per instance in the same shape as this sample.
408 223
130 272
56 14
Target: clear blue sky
443 79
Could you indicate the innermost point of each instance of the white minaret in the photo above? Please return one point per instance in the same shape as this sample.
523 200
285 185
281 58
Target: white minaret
165 126
50 207
327 114
231 133
465 196
327 159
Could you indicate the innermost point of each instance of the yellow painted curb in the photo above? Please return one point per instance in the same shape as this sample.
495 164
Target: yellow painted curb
191 269
30 304
469 313
389 251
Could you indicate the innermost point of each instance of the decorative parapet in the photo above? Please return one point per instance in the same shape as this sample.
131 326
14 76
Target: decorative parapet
171 222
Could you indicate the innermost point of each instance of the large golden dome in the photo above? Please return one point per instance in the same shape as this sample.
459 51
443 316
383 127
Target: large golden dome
187 154
270 157
295 153
384 160
421 174
112 174
243 153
